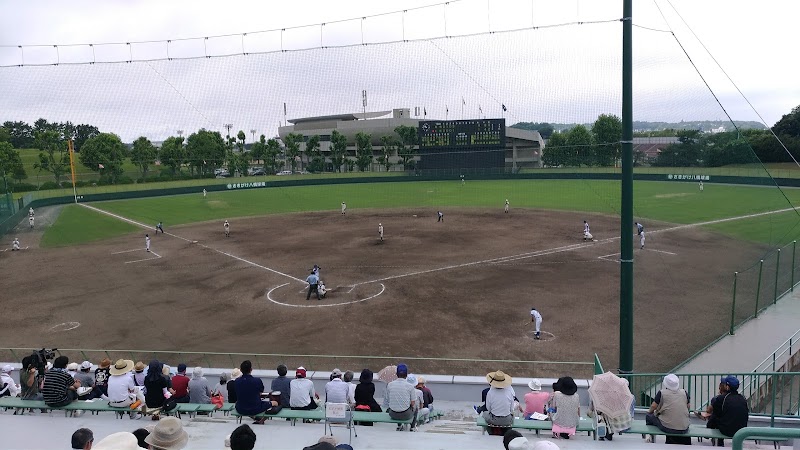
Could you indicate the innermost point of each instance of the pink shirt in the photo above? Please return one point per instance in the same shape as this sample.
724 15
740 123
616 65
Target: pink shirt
535 401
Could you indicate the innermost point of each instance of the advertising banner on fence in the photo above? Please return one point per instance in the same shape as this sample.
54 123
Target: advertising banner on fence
679 177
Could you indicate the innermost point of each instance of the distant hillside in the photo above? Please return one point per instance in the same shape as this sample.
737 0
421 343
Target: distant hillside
705 125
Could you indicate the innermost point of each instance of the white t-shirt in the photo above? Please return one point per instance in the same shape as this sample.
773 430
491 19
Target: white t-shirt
11 386
119 387
301 390
500 401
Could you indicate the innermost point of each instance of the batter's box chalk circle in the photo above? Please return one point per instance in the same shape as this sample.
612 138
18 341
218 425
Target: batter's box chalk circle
378 288
545 336
66 326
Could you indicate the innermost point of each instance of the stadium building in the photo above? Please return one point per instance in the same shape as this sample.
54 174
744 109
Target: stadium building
456 145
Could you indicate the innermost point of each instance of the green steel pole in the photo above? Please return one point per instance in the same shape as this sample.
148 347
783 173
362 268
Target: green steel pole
626 208
733 303
794 247
777 271
758 288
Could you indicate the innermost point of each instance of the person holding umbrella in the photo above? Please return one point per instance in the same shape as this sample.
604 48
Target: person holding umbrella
612 401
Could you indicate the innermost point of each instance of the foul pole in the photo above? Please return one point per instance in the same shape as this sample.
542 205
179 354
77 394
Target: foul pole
72 168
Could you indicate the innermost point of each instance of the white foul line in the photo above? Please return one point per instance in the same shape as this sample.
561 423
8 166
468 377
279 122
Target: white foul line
125 219
146 259
127 251
660 251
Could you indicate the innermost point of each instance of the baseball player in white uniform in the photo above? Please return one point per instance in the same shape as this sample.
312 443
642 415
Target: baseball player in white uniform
227 229
441 216
587 235
380 231
204 193
640 233
15 245
701 185
344 207
147 242
505 208
537 319
30 221
30 211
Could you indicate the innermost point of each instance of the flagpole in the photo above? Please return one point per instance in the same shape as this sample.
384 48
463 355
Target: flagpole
72 168
446 112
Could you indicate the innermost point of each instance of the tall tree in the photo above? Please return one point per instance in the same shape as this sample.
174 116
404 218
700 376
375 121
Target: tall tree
789 123
686 153
53 154
271 155
10 164
292 142
406 145
387 150
84 132
240 140
363 150
555 152
580 147
338 150
607 132
143 154
21 134
104 154
5 135
172 154
258 150
205 151
315 161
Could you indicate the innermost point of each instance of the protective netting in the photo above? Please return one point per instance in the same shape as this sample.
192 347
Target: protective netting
689 183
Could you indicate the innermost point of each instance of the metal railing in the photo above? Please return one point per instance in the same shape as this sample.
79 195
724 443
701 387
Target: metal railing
770 394
447 366
762 432
781 355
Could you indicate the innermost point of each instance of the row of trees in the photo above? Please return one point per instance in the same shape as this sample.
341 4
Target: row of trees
584 147
22 135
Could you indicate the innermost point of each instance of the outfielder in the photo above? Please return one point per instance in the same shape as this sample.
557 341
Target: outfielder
227 229
344 207
204 193
30 221
701 185
537 319
380 231
147 242
15 245
505 208
160 228
640 233
587 235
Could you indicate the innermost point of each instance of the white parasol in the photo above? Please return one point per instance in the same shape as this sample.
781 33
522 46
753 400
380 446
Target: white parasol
611 395
388 374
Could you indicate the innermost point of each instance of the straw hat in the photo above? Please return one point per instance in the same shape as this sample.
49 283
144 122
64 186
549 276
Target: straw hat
168 435
121 367
498 379
139 367
236 373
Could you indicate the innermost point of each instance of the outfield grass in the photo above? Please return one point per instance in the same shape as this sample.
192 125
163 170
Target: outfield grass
77 225
664 201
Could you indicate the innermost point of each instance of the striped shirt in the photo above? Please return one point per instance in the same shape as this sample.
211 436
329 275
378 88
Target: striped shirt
399 395
56 385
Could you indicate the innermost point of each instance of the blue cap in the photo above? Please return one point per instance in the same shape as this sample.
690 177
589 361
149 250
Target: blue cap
731 381
402 369
181 368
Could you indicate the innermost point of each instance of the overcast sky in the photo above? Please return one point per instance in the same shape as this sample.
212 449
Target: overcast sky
558 74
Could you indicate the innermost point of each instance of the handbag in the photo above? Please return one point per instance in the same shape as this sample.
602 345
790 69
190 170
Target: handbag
217 400
169 405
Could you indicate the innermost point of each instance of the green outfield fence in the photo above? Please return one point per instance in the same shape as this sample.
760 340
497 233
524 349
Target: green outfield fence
269 361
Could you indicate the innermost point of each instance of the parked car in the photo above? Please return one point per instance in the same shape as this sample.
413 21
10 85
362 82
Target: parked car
222 173
284 172
256 171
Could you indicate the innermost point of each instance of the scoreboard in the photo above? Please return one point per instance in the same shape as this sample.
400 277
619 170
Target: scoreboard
475 144
462 134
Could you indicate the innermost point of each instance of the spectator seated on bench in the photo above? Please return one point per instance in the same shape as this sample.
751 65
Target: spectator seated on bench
564 408
499 401
248 393
670 411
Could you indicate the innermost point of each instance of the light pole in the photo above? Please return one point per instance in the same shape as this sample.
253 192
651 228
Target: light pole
228 126
253 132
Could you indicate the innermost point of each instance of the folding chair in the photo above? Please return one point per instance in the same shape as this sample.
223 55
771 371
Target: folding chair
339 413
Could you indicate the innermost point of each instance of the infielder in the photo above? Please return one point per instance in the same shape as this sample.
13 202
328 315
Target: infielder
505 208
227 229
462 180
537 319
441 216
640 233
380 231
587 235
15 245
147 242
159 227
701 185
30 221
344 207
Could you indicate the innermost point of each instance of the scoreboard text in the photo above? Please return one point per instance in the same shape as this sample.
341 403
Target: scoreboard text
464 134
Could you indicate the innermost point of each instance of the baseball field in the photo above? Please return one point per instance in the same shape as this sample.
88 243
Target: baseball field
461 288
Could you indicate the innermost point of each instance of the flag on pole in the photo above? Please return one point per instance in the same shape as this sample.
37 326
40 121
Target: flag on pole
101 166
504 107
424 111
446 109
462 101
480 110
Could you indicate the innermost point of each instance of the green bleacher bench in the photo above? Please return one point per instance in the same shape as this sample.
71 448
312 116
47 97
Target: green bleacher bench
18 403
696 431
585 424
377 417
227 408
188 408
77 405
285 413
96 407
